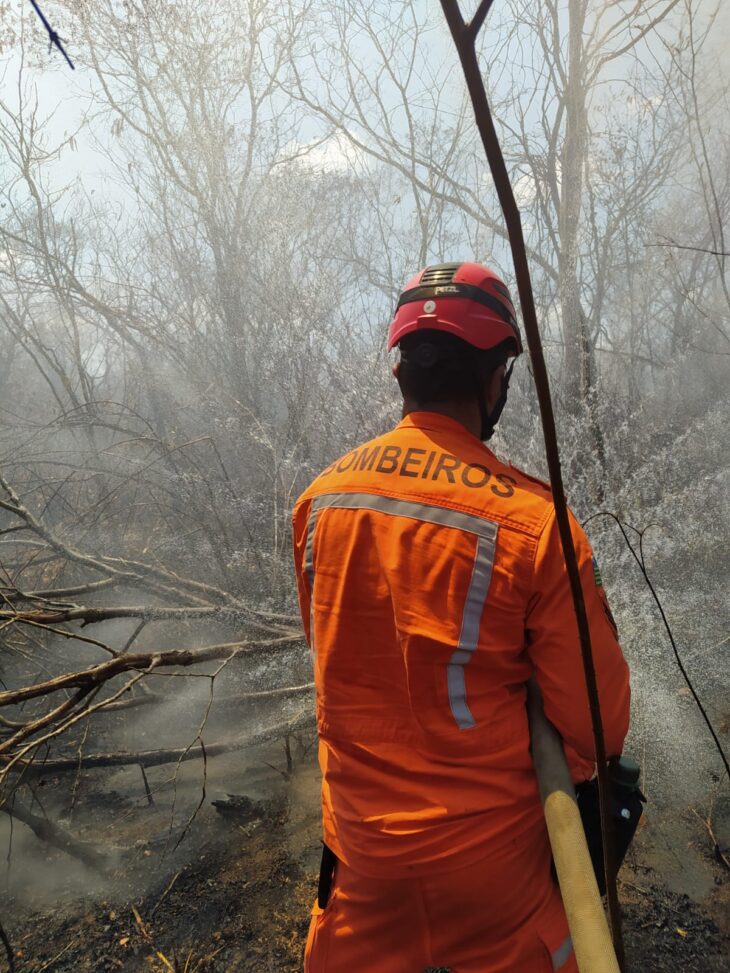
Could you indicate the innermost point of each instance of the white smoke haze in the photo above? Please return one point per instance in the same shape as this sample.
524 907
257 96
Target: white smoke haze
203 232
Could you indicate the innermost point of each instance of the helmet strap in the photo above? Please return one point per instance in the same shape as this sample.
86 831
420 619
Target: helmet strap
489 420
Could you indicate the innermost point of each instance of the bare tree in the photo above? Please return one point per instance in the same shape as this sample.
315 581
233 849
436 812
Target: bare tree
590 130
190 337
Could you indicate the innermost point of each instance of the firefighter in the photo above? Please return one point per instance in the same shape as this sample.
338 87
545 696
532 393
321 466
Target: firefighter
432 587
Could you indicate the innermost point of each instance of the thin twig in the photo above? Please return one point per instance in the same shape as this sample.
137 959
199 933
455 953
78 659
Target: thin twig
639 558
148 792
720 855
54 39
49 963
170 884
201 728
679 246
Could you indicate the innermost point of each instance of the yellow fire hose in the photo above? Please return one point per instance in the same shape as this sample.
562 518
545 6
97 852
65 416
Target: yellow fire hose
589 930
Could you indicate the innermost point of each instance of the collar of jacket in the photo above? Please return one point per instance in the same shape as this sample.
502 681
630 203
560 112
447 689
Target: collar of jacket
436 422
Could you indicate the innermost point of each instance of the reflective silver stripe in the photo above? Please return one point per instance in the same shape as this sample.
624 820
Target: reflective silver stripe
309 569
475 599
309 546
481 576
432 514
562 954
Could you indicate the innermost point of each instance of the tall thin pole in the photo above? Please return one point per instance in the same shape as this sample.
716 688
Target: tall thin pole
464 36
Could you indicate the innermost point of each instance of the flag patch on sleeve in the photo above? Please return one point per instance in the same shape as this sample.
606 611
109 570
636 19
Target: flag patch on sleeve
603 598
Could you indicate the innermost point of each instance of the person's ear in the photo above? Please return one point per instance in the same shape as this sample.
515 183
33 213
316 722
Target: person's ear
494 386
396 371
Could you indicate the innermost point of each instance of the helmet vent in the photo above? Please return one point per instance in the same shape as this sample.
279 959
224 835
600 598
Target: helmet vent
439 274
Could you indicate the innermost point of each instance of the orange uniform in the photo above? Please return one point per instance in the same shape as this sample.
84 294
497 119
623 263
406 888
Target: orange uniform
432 587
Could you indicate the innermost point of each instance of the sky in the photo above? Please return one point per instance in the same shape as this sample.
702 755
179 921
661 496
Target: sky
65 95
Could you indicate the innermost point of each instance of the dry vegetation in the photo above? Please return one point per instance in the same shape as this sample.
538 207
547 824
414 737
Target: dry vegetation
202 233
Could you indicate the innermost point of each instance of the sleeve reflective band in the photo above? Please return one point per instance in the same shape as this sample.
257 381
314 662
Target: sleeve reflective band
309 569
562 954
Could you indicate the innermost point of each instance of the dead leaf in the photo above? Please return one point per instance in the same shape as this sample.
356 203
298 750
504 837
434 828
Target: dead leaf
682 932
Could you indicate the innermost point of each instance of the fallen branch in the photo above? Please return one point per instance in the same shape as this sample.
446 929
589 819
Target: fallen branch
264 694
34 726
119 570
91 616
95 675
83 714
156 758
56 594
220 700
52 834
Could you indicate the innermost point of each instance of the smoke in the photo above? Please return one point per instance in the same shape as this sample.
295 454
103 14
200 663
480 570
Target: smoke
204 231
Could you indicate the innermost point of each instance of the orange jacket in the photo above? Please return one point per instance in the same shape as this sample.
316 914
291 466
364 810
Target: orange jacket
432 586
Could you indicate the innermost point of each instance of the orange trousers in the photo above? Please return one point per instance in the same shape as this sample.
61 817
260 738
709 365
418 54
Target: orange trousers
502 914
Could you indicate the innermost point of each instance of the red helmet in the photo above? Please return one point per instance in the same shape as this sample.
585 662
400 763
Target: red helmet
466 299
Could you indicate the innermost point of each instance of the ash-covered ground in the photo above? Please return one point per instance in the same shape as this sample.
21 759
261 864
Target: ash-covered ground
235 893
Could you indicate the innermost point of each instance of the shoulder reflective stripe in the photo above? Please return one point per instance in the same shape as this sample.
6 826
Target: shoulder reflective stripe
562 954
475 599
430 513
481 576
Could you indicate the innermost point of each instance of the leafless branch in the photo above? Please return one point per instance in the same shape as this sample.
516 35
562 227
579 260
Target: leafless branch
679 246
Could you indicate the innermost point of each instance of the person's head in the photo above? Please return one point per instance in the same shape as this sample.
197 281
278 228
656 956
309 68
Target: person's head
455 329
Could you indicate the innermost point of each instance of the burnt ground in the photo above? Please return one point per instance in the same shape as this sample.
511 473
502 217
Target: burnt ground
235 895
